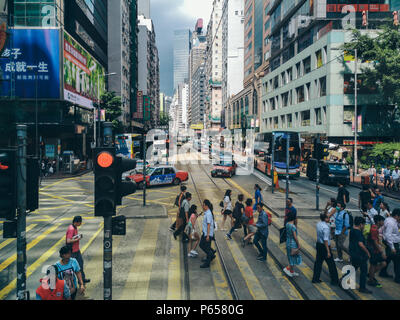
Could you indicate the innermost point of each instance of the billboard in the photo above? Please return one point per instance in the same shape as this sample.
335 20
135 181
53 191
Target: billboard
84 77
34 55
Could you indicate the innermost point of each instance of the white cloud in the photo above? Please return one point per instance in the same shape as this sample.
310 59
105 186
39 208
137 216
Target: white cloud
197 9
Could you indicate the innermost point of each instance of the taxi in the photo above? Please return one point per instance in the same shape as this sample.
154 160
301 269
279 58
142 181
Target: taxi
161 175
225 168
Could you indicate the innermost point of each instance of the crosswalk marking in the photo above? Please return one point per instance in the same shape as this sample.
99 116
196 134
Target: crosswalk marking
249 277
137 284
30 245
174 271
68 200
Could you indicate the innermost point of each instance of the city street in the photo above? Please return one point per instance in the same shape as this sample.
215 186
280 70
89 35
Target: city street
149 264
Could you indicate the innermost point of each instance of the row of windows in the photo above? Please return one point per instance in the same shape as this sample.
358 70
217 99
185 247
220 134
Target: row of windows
296 72
298 95
297 119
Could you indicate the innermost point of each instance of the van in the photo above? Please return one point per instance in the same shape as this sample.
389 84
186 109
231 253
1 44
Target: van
330 172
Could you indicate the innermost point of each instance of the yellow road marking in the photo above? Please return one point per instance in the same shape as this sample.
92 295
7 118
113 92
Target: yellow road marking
8 241
137 284
249 277
174 272
68 200
151 201
220 283
93 238
30 245
55 183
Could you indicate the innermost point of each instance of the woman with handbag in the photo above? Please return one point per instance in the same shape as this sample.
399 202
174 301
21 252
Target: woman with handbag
292 246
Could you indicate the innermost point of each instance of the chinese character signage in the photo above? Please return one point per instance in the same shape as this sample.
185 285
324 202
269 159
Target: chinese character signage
84 77
34 62
147 108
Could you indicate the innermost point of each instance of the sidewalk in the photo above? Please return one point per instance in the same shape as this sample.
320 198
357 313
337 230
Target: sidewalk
386 193
61 175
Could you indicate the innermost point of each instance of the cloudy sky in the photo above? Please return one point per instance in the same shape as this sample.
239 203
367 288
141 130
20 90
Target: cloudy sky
169 15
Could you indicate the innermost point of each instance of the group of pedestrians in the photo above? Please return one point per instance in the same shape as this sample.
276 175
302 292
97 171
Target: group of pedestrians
389 178
66 277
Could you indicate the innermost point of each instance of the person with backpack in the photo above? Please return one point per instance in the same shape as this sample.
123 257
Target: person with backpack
207 234
343 194
178 201
375 248
238 212
227 210
56 290
363 198
248 222
359 253
324 252
183 217
342 223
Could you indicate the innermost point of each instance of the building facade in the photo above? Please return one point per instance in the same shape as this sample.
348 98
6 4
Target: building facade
198 97
181 56
232 51
310 84
213 68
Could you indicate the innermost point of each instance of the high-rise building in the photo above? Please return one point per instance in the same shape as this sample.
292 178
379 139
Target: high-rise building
309 85
198 97
213 68
232 51
144 8
181 56
149 66
119 54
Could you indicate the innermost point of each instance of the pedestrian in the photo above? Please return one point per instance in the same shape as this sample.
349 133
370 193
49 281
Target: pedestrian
363 198
378 199
342 223
324 252
391 237
52 288
359 254
183 217
207 234
238 212
376 250
262 233
386 175
370 214
292 246
371 173
385 210
249 223
395 178
68 269
343 194
72 240
290 209
227 209
192 232
330 210
257 196
178 201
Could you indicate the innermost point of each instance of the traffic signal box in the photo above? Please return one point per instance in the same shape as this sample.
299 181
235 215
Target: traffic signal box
320 151
8 184
109 187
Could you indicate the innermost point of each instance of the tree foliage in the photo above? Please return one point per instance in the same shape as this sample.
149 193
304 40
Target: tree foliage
164 119
113 106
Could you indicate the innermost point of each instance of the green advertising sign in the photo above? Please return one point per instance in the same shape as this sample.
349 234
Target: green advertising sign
84 77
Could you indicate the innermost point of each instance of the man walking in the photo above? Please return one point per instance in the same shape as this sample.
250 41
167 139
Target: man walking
359 253
343 194
324 252
262 233
342 223
391 235
72 240
395 178
386 174
208 234
183 217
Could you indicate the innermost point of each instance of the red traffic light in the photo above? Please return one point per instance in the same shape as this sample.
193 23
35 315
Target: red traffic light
105 160
3 166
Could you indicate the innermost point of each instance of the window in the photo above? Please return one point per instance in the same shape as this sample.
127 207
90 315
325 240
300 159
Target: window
158 172
323 86
169 171
283 121
289 121
272 104
284 78
299 72
300 94
307 65
319 60
308 92
305 118
276 82
276 123
318 117
290 76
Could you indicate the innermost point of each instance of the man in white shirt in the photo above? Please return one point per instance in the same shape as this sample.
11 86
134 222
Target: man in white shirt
391 235
396 177
371 213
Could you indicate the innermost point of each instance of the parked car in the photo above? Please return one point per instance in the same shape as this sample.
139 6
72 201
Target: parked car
161 175
225 168
329 172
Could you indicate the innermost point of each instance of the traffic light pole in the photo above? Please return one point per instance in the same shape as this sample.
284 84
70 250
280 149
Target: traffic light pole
144 169
287 166
107 249
272 163
21 217
318 176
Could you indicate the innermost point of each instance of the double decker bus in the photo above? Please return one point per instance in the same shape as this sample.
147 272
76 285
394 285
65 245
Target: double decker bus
264 152
129 145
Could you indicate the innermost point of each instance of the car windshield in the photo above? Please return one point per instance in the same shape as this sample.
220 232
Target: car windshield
149 171
225 163
337 167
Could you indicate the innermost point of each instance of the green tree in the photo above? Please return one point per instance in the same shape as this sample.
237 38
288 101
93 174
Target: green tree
112 103
382 73
164 119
